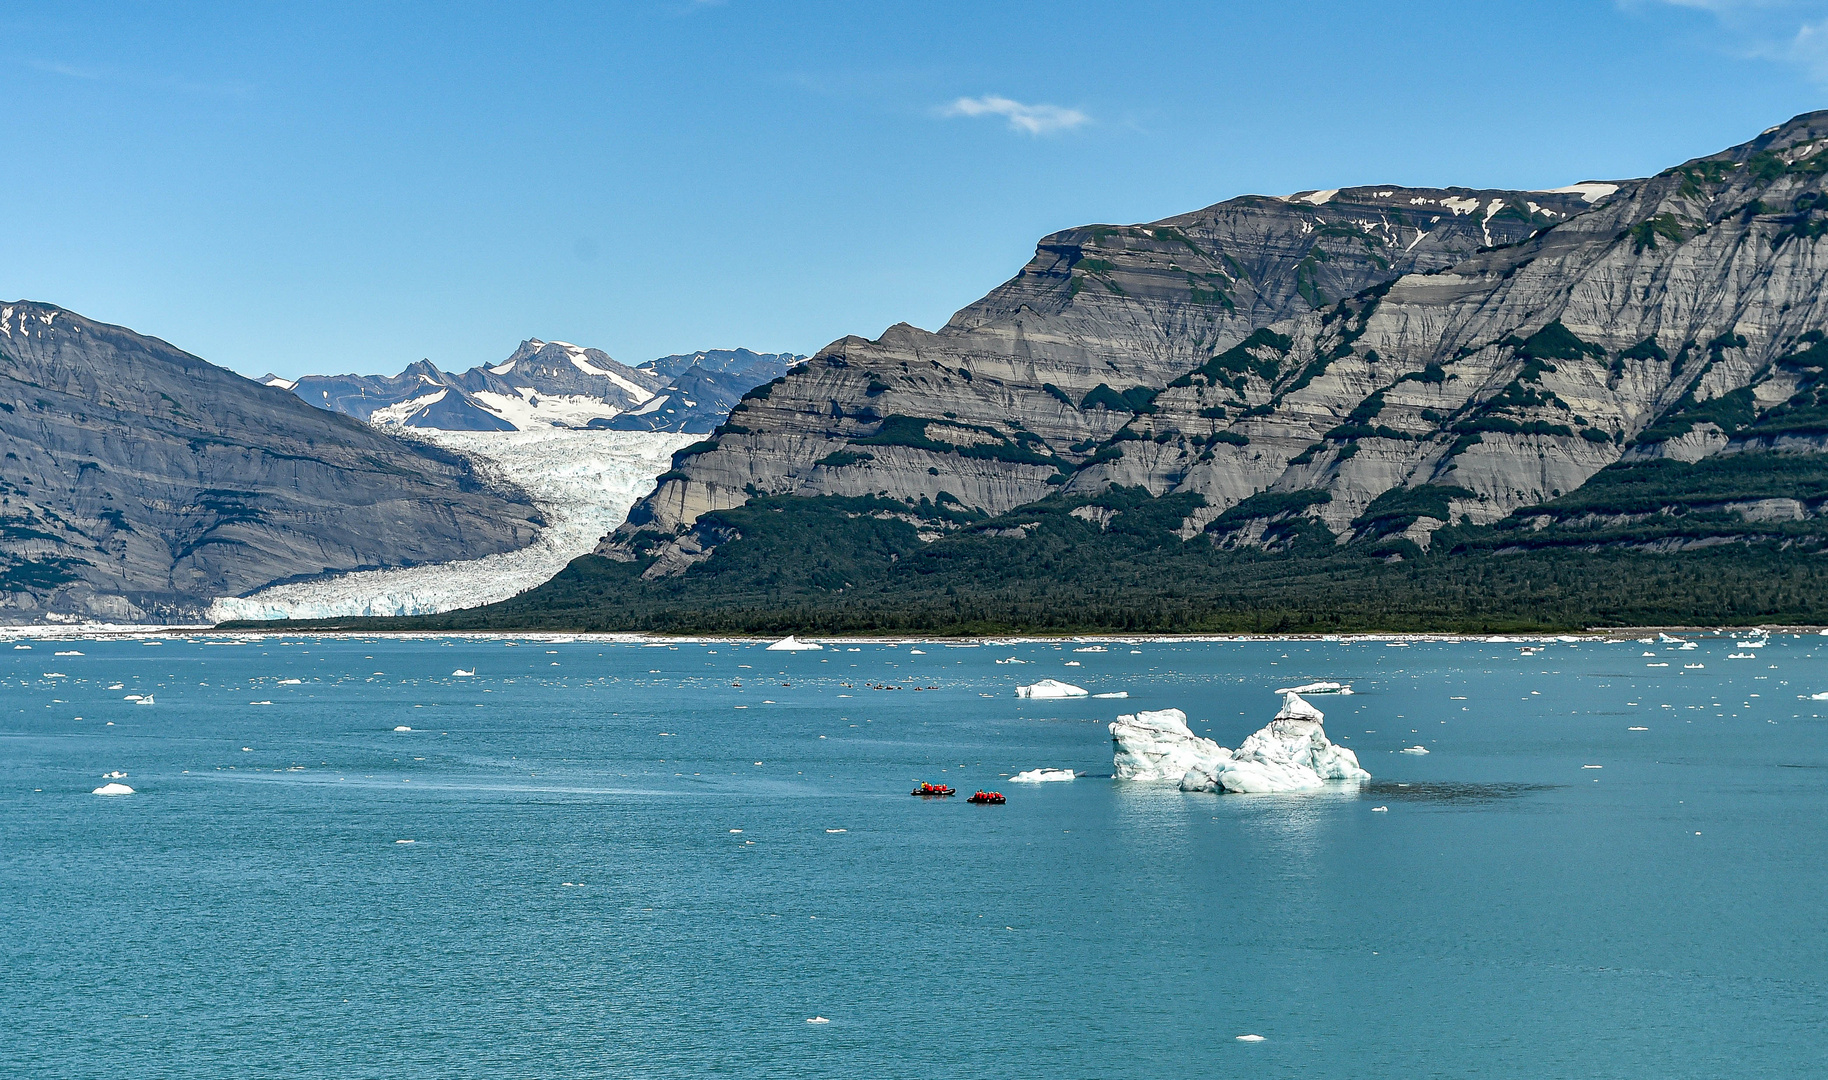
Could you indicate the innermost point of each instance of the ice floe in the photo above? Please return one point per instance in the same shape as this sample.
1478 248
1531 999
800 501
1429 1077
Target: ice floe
794 644
1051 688
1291 753
113 789
1318 688
1041 776
465 674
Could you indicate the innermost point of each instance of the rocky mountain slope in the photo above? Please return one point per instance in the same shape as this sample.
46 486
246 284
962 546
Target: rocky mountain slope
1363 366
138 482
551 384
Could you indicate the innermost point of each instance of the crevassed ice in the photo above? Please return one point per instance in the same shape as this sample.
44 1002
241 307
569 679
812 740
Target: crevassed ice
1291 753
583 482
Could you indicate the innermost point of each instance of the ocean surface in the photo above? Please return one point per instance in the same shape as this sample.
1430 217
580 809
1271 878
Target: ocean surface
663 861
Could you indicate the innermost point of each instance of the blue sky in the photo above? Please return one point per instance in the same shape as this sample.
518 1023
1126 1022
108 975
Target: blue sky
333 188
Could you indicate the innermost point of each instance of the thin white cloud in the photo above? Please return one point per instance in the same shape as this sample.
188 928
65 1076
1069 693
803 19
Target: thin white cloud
1028 119
1793 32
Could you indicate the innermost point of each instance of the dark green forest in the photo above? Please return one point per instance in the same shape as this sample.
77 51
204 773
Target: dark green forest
1655 543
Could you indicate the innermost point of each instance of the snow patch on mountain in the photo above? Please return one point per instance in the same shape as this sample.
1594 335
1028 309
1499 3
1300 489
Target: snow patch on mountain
583 482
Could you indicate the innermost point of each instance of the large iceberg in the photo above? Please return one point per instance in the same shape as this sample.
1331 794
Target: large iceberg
1292 753
1158 746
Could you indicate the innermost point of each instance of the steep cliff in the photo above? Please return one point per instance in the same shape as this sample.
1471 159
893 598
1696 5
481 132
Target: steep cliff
138 482
1019 391
1365 365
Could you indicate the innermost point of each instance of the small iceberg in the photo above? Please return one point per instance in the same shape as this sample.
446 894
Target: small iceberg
1742 656
793 644
1250 1038
1819 697
1093 648
1118 694
72 652
1318 688
1291 753
1380 809
465 674
817 1020
402 727
115 775
147 700
1041 776
113 789
290 682
1051 688
1413 750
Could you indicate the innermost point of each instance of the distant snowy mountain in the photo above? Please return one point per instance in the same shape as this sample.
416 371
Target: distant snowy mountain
547 384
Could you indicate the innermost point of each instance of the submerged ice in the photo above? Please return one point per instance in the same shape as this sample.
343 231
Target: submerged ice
1291 753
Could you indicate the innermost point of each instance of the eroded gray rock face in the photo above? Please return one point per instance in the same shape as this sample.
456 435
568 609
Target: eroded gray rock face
1349 358
138 482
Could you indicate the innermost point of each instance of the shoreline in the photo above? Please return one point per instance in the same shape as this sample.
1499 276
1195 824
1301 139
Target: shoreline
115 631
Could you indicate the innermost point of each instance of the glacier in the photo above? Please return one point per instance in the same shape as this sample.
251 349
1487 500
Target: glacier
1290 753
583 481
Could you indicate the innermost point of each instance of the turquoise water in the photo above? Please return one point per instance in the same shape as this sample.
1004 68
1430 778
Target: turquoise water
575 900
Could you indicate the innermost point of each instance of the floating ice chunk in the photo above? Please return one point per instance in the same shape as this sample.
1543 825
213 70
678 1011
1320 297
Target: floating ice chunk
290 682
1637 729
1592 766
260 703
115 775
837 830
1093 648
147 700
1380 809
72 652
1052 688
1250 1038
1318 688
113 789
1118 694
793 644
817 1020
1074 663
1413 750
916 652
1158 746
1291 753
28 646
402 727
464 673
1819 697
1041 776
405 841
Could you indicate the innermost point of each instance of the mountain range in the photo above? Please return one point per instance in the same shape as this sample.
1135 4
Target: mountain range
551 384
1365 406
138 482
